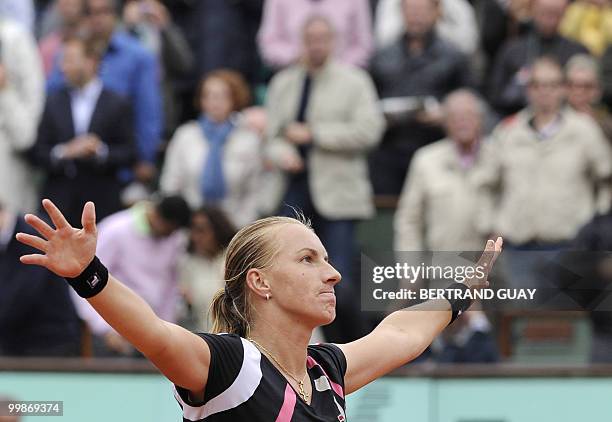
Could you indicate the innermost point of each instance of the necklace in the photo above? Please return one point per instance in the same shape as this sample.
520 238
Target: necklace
301 391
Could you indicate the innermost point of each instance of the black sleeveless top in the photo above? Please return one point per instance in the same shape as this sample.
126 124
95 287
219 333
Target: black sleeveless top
243 384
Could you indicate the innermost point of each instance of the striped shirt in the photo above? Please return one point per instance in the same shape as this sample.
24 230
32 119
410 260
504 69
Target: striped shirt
243 384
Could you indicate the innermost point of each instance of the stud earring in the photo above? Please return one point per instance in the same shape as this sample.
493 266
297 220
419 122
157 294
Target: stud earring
267 296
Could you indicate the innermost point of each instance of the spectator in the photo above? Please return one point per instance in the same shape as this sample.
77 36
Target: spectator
142 246
201 269
151 23
419 66
84 138
48 17
21 101
595 238
211 28
439 202
216 159
584 91
37 317
511 69
456 24
129 70
322 120
283 20
20 12
590 23
500 21
70 21
606 76
470 341
548 165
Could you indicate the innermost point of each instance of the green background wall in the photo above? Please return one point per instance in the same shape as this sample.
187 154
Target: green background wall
148 398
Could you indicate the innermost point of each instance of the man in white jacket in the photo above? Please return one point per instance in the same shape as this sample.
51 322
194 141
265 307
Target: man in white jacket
21 101
323 120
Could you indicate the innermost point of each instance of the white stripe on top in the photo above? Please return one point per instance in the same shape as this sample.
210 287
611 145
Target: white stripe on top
240 391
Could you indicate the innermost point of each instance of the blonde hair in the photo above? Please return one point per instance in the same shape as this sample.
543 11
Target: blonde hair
254 246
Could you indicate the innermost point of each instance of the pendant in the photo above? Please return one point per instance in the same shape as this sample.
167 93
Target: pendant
302 392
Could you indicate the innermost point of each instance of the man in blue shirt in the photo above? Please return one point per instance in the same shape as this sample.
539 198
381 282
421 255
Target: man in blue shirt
130 70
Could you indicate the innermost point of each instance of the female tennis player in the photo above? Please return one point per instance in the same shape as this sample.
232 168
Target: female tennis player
279 287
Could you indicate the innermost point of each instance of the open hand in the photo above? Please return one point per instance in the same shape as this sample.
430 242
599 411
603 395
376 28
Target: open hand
67 250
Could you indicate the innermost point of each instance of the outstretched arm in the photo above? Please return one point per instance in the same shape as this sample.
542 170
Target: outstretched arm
405 334
179 354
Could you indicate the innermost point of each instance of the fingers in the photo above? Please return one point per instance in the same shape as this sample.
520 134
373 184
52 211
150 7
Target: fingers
33 241
88 219
491 252
487 256
499 243
56 216
40 226
35 259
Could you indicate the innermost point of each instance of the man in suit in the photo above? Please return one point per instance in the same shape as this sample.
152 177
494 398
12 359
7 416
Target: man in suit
128 69
323 120
37 317
84 137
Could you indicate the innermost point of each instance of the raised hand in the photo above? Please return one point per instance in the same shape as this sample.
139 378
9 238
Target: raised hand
67 250
486 261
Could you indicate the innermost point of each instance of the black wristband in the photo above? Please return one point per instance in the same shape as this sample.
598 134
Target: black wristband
458 304
91 281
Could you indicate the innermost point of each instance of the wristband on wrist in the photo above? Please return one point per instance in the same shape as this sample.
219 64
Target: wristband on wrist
458 304
91 281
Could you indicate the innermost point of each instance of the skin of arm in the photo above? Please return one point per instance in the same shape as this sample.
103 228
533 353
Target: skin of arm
409 330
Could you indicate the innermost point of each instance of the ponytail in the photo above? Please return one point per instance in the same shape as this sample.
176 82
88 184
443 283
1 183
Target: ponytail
227 316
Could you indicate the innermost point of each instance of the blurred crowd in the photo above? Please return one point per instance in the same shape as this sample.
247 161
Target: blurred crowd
185 120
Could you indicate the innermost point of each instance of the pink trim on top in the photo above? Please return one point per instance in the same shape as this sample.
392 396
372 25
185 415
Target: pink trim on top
310 362
286 412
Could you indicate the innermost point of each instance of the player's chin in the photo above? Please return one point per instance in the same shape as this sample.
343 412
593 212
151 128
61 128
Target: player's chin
324 314
328 315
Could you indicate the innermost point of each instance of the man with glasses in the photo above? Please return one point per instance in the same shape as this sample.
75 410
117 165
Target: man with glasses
584 90
545 174
548 167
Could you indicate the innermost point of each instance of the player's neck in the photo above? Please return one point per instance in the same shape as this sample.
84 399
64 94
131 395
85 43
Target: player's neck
287 343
